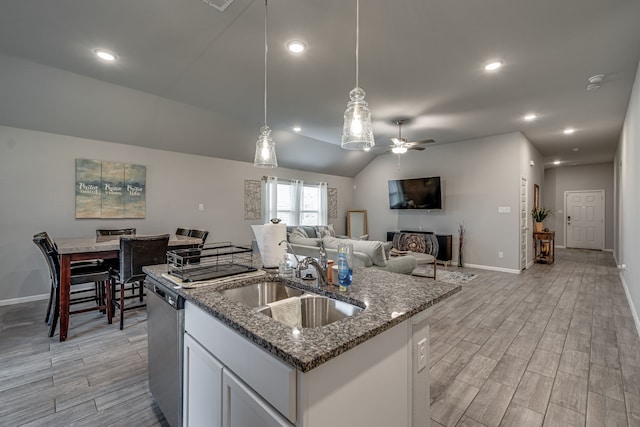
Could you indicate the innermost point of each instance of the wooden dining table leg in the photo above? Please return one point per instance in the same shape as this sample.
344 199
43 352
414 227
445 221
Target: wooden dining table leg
65 287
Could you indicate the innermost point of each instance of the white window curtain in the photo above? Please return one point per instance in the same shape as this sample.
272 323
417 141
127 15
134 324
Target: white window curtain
269 198
324 205
284 199
295 202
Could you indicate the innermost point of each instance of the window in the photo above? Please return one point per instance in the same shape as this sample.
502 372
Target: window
295 202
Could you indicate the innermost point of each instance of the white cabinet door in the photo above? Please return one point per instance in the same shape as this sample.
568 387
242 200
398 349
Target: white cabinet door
242 407
202 398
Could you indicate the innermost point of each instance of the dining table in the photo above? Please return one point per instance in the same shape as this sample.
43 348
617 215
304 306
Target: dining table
95 248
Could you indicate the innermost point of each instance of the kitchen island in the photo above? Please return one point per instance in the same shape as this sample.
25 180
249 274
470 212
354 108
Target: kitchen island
367 369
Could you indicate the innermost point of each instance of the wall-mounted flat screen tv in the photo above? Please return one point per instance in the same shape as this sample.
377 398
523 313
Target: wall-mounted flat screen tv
416 193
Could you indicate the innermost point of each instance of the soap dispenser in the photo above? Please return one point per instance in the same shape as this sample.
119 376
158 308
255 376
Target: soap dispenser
284 268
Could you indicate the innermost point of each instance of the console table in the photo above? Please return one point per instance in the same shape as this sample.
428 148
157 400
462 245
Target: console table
544 246
444 243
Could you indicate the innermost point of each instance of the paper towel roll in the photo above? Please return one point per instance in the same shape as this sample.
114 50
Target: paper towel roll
268 237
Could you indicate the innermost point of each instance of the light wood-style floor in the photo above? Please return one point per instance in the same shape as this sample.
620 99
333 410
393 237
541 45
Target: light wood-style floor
555 345
98 377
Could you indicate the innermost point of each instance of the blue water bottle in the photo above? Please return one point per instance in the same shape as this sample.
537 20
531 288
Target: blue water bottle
345 270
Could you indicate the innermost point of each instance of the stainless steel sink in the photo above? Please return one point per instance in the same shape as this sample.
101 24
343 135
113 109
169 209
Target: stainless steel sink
260 294
318 310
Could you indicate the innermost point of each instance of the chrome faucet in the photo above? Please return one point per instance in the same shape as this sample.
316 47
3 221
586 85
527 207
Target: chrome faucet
323 256
321 272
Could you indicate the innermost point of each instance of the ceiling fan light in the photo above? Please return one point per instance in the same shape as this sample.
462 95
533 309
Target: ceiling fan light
399 150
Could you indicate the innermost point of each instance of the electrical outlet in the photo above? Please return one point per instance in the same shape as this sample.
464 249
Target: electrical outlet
421 354
500 255
201 206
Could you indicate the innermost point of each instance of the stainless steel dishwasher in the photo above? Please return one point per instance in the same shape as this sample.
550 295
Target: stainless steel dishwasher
165 326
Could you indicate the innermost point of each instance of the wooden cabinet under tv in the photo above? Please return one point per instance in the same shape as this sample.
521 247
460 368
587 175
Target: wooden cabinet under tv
445 243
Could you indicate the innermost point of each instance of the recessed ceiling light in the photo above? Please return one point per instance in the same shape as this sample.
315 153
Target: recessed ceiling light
530 117
493 65
569 131
296 46
557 162
297 128
103 54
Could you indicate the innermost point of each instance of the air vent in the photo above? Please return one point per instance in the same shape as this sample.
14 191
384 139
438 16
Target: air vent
221 5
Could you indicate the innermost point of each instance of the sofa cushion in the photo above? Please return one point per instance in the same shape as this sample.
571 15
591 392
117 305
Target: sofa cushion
372 248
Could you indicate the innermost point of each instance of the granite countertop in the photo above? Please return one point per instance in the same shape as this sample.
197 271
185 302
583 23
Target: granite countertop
388 298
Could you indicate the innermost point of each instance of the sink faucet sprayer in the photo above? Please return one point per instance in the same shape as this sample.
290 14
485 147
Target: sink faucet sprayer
290 248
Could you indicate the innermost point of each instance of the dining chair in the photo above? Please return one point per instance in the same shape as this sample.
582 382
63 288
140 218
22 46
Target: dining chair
200 234
80 274
48 242
116 232
182 231
136 252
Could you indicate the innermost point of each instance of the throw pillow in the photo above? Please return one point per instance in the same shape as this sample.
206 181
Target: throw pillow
325 230
298 236
298 232
387 249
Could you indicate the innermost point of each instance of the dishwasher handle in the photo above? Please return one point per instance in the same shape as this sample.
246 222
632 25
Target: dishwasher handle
170 298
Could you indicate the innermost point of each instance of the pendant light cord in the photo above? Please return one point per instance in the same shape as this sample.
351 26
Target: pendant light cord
265 61
357 37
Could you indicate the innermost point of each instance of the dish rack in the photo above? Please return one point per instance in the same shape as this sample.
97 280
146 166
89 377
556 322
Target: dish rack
211 261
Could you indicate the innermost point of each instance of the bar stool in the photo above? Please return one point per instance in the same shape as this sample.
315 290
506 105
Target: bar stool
135 253
80 274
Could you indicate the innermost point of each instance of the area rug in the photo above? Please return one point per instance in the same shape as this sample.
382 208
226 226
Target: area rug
442 275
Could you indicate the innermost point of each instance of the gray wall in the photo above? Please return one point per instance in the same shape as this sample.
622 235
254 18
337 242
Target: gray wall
627 179
578 178
478 176
37 179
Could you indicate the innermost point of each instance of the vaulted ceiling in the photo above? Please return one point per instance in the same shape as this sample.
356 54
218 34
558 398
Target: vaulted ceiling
419 60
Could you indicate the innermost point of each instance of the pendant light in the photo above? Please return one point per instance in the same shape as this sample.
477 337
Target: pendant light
357 132
265 147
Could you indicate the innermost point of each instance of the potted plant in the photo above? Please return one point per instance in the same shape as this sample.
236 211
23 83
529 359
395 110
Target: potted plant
539 215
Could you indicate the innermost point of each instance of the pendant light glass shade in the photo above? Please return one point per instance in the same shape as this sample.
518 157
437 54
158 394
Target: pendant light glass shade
265 147
265 150
357 131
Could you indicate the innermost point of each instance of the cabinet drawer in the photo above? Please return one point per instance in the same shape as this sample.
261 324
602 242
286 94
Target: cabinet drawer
271 378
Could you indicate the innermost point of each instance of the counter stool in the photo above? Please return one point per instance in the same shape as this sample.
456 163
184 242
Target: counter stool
136 252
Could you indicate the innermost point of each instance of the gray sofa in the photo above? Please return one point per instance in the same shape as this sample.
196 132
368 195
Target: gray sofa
366 253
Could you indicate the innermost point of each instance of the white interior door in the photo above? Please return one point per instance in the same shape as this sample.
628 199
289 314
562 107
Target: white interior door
523 223
585 219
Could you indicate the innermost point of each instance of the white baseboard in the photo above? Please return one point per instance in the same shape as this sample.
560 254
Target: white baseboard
489 267
20 300
634 313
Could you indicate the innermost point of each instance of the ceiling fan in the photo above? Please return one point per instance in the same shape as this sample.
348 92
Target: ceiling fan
401 145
